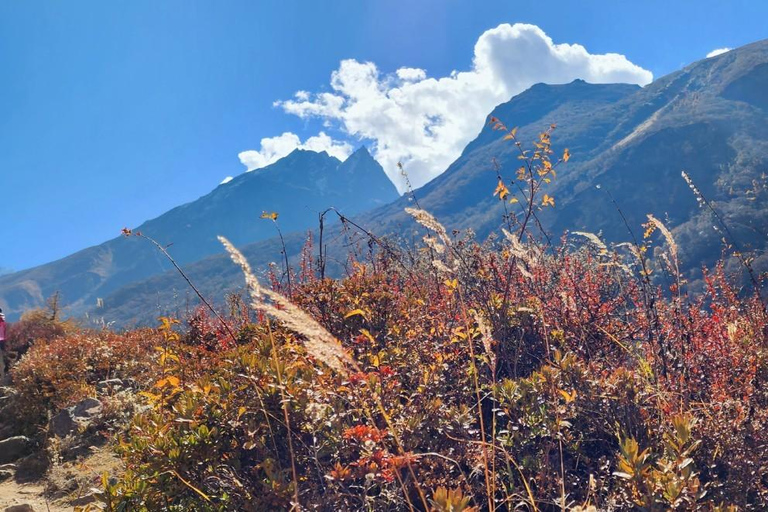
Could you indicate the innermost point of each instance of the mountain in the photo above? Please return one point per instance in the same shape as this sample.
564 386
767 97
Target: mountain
297 187
708 119
630 142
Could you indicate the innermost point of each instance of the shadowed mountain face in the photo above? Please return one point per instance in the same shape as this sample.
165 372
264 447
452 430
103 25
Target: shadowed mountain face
708 119
297 187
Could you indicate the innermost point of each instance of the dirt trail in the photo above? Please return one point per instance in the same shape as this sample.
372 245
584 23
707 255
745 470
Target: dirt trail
12 493
71 481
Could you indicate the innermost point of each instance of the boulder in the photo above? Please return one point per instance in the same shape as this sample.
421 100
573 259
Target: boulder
73 419
87 409
63 423
14 448
20 508
5 474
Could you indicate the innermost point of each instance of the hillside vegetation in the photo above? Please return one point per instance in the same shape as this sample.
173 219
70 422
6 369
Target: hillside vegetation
629 145
515 373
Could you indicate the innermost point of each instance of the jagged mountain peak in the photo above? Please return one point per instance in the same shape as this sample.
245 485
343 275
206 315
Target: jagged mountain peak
708 118
361 153
297 187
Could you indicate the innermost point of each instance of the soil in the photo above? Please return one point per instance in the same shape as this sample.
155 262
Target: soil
64 486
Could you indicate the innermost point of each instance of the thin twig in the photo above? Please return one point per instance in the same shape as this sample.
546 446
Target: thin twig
128 232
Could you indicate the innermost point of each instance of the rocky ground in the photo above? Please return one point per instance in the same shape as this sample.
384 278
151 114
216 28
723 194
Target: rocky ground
62 468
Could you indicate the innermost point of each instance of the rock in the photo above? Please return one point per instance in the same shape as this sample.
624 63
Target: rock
7 399
63 423
20 508
84 500
112 385
32 468
8 431
7 471
72 419
87 409
14 448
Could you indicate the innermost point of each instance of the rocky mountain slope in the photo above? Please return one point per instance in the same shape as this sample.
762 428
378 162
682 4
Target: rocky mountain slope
297 187
627 143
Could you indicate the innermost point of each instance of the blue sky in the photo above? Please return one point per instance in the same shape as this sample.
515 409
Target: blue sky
114 112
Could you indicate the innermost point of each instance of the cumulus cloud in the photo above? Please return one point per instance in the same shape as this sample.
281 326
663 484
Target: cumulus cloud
411 74
425 122
275 148
719 51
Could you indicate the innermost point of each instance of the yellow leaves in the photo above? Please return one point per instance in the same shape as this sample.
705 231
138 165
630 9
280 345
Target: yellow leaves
511 134
650 227
151 396
166 327
207 388
459 333
451 284
566 155
501 190
548 200
167 355
169 381
569 397
451 500
368 335
356 312
166 323
269 215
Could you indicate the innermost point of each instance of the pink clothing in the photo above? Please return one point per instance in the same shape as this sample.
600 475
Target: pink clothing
2 330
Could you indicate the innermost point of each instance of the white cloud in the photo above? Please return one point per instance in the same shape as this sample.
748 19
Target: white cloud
719 51
226 180
411 74
425 122
275 148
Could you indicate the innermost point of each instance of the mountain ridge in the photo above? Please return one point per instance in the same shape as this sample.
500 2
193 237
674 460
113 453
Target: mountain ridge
296 187
628 147
705 118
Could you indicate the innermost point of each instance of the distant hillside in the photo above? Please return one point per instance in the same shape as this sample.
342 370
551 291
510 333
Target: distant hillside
710 119
297 187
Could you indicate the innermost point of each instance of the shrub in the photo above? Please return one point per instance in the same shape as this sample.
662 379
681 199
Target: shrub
59 372
509 374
